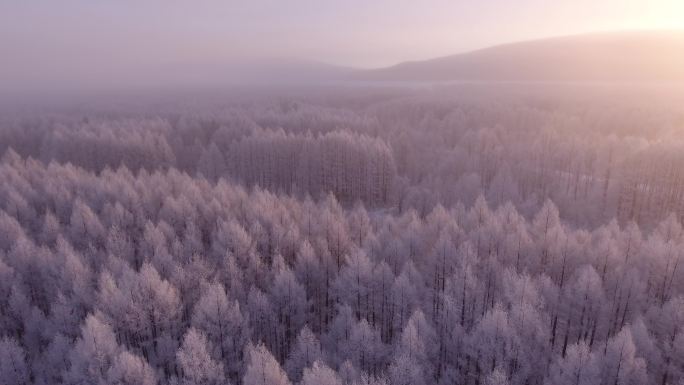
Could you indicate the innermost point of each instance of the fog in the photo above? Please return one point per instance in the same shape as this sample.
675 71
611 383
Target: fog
86 45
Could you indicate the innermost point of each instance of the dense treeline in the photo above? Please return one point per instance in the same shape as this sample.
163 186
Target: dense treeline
156 277
374 237
353 167
597 158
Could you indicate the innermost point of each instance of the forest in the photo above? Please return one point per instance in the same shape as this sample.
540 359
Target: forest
471 235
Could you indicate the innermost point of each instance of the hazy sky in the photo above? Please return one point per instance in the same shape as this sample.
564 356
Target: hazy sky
59 40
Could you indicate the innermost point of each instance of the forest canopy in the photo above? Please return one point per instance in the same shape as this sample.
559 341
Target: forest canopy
367 236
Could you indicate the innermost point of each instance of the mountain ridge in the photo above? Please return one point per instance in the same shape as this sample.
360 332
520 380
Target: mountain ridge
632 56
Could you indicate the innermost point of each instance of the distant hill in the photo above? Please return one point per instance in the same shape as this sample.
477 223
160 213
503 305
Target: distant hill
627 57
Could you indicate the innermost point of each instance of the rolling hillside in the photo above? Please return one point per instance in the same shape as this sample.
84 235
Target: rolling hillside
633 57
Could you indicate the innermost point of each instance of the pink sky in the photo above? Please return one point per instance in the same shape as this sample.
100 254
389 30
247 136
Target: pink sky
44 40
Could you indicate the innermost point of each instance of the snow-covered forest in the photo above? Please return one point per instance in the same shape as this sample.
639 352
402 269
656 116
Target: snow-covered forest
380 236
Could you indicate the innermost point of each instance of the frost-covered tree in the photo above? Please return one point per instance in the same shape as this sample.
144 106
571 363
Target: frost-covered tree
224 324
196 364
619 364
129 369
579 366
93 354
262 368
305 352
320 374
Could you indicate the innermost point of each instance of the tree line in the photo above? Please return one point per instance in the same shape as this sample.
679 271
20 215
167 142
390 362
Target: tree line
596 157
